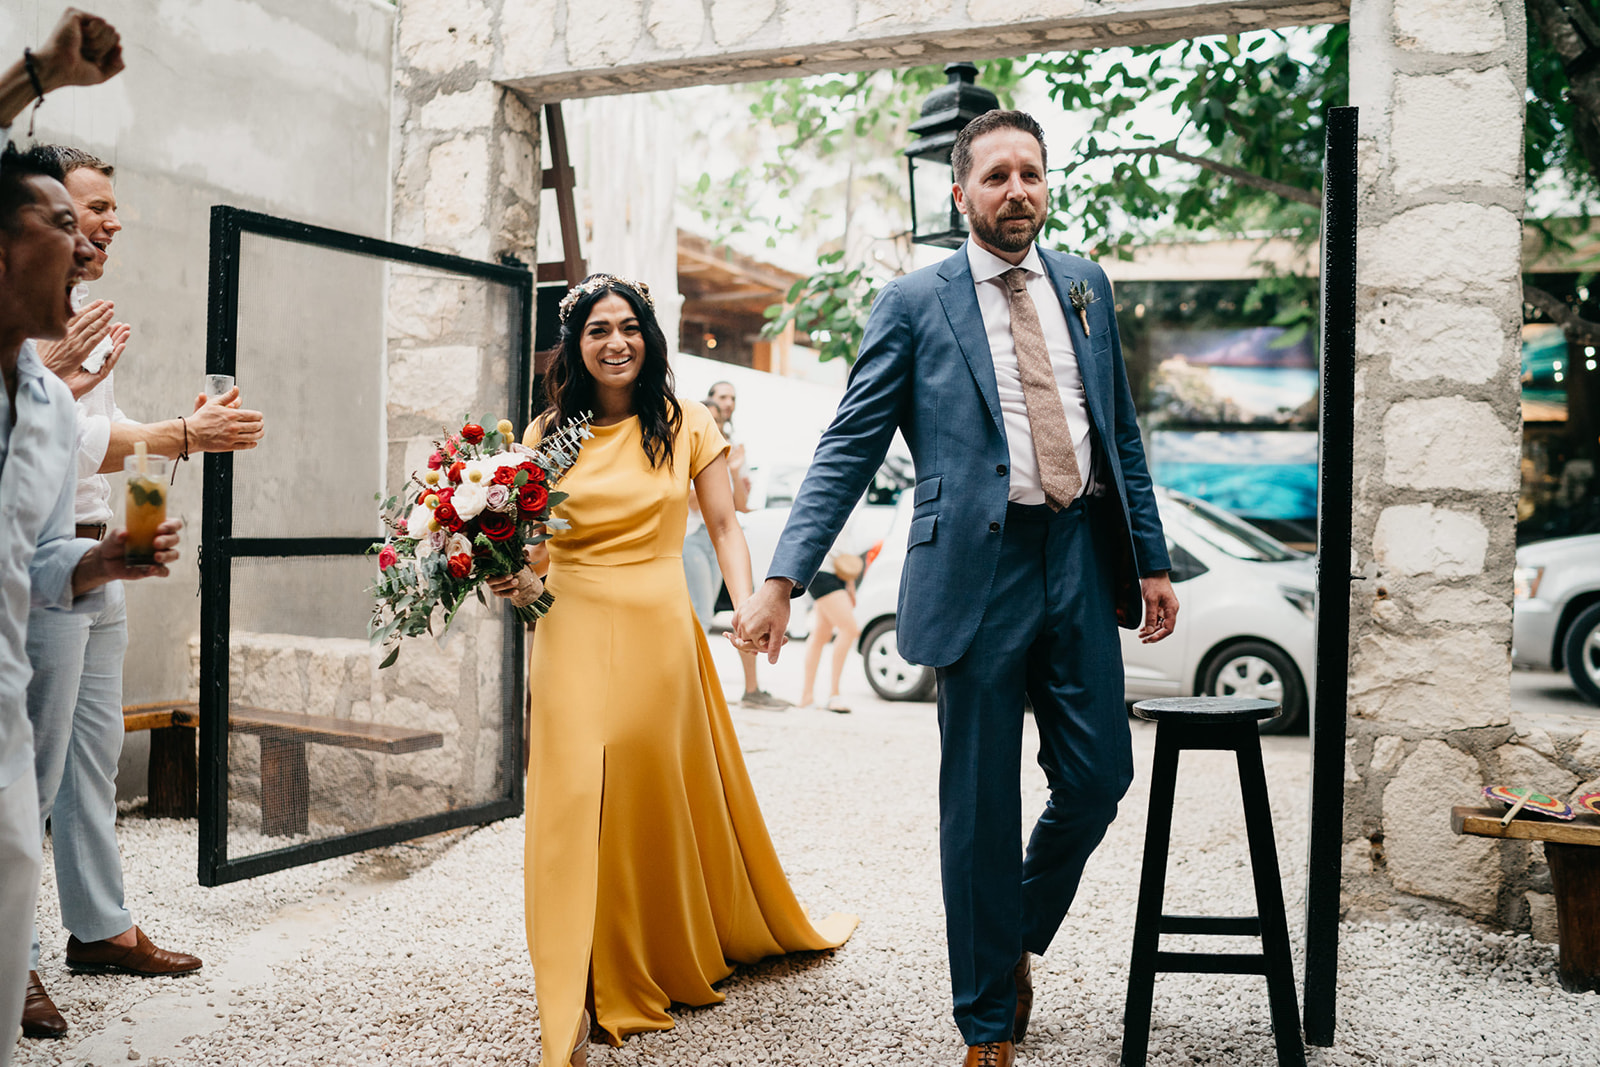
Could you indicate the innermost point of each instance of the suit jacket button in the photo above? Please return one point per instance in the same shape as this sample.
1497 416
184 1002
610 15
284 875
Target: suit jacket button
1001 469
994 527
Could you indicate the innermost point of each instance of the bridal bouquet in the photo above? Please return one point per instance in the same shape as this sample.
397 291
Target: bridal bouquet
464 520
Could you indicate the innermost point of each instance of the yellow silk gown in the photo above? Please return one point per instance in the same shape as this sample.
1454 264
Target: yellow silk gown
649 868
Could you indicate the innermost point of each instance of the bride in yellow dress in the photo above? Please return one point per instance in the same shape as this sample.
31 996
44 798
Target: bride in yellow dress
649 869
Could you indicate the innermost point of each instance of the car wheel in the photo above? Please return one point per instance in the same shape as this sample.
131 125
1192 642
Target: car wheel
1581 650
890 676
1262 671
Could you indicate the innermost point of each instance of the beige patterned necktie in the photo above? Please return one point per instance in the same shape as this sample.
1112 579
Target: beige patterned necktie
1047 418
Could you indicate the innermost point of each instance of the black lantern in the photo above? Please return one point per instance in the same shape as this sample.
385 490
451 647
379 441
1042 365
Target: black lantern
934 218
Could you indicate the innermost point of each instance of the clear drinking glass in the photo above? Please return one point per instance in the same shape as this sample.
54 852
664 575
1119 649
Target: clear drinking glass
216 385
147 505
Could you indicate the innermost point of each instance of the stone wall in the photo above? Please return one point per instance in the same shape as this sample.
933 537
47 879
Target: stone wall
556 49
1439 84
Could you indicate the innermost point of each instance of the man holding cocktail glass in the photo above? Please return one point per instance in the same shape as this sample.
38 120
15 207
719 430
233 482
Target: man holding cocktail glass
42 254
75 697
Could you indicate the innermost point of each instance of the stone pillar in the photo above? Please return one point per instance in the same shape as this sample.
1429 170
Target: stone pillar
466 150
1438 428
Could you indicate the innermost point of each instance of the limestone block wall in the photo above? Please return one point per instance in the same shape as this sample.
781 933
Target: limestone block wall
454 690
1439 84
466 149
559 49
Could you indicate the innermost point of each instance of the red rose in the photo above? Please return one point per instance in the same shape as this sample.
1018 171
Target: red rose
454 473
496 525
435 461
387 558
444 493
460 565
504 476
445 515
534 472
472 433
532 498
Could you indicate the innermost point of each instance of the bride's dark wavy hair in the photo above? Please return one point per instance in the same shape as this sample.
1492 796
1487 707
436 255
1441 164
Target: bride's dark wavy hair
569 386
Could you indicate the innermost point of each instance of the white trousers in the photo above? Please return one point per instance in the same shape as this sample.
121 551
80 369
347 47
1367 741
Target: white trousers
19 888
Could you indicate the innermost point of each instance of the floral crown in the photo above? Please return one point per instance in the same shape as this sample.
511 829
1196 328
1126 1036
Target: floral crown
596 282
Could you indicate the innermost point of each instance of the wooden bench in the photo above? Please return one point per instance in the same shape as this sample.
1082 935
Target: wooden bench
285 773
1573 852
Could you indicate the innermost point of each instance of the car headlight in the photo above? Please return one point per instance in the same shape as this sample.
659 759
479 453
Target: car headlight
1525 582
1304 599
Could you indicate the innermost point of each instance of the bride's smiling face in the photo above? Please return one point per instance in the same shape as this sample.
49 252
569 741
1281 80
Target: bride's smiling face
612 343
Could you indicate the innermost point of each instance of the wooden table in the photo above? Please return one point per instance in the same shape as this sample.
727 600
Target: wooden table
1573 851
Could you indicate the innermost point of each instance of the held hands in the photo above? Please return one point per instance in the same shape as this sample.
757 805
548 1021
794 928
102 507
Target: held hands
83 49
85 331
1160 608
759 623
220 425
521 588
113 550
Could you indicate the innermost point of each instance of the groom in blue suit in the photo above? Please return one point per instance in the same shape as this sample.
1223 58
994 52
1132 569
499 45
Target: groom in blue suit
1034 535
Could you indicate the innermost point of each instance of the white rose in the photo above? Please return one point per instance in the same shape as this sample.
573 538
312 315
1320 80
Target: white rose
478 472
417 522
459 545
468 500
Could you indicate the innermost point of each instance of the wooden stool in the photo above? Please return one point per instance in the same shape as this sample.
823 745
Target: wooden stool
1573 851
1225 723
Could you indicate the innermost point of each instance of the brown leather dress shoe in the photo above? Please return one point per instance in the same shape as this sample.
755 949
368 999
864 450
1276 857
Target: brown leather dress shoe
39 1015
141 958
1024 976
991 1054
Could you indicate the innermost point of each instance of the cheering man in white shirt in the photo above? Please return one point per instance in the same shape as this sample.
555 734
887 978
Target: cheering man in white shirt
75 697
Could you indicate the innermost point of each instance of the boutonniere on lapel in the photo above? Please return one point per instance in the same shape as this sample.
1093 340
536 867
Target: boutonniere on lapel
1081 296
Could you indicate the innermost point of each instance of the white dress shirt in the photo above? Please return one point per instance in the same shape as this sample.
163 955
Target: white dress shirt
97 410
994 302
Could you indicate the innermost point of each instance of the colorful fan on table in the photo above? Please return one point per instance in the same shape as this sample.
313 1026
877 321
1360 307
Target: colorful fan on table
1524 798
1589 802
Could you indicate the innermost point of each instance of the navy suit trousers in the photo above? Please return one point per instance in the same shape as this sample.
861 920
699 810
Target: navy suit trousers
1049 631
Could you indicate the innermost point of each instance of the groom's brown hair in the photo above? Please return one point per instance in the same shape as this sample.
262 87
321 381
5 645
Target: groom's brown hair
988 122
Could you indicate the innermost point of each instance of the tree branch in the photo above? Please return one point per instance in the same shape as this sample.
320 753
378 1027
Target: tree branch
1238 174
1574 35
1575 326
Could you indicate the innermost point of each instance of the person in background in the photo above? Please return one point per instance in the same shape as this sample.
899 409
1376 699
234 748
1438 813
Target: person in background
75 696
833 619
722 400
42 255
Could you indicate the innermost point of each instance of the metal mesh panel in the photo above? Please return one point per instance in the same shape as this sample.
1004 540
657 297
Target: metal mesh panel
360 353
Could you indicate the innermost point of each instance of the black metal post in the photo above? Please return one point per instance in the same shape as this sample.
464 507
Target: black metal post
1335 503
216 525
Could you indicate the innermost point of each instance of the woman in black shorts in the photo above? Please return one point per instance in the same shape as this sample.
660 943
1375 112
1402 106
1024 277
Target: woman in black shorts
833 619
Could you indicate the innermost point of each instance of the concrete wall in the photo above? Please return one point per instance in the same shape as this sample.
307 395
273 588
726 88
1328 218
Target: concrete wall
276 105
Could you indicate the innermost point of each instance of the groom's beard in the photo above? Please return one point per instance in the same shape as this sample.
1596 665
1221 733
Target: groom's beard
1005 231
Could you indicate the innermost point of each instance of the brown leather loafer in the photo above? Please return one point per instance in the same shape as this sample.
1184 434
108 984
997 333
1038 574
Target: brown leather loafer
39 1015
1024 976
142 958
991 1054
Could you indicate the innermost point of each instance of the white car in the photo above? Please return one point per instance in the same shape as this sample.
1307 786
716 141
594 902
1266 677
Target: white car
1245 627
1556 613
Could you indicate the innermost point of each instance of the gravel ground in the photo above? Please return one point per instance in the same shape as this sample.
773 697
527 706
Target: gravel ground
415 955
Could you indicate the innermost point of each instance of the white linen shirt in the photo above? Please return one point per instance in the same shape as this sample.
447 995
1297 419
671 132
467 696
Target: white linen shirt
97 410
994 302
37 550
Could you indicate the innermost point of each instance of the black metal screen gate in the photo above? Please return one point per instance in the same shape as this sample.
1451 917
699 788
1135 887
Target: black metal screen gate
360 352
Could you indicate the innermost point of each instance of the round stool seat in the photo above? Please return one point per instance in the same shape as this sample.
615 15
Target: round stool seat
1201 710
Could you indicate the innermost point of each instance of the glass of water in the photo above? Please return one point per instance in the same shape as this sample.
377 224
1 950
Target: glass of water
216 385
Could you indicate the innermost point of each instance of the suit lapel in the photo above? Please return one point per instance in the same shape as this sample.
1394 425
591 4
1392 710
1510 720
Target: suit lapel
1089 366
960 303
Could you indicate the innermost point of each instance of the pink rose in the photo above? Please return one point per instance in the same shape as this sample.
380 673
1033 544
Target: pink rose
496 496
387 558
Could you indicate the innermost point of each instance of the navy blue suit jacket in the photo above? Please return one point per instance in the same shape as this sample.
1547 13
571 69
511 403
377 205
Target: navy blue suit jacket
925 369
